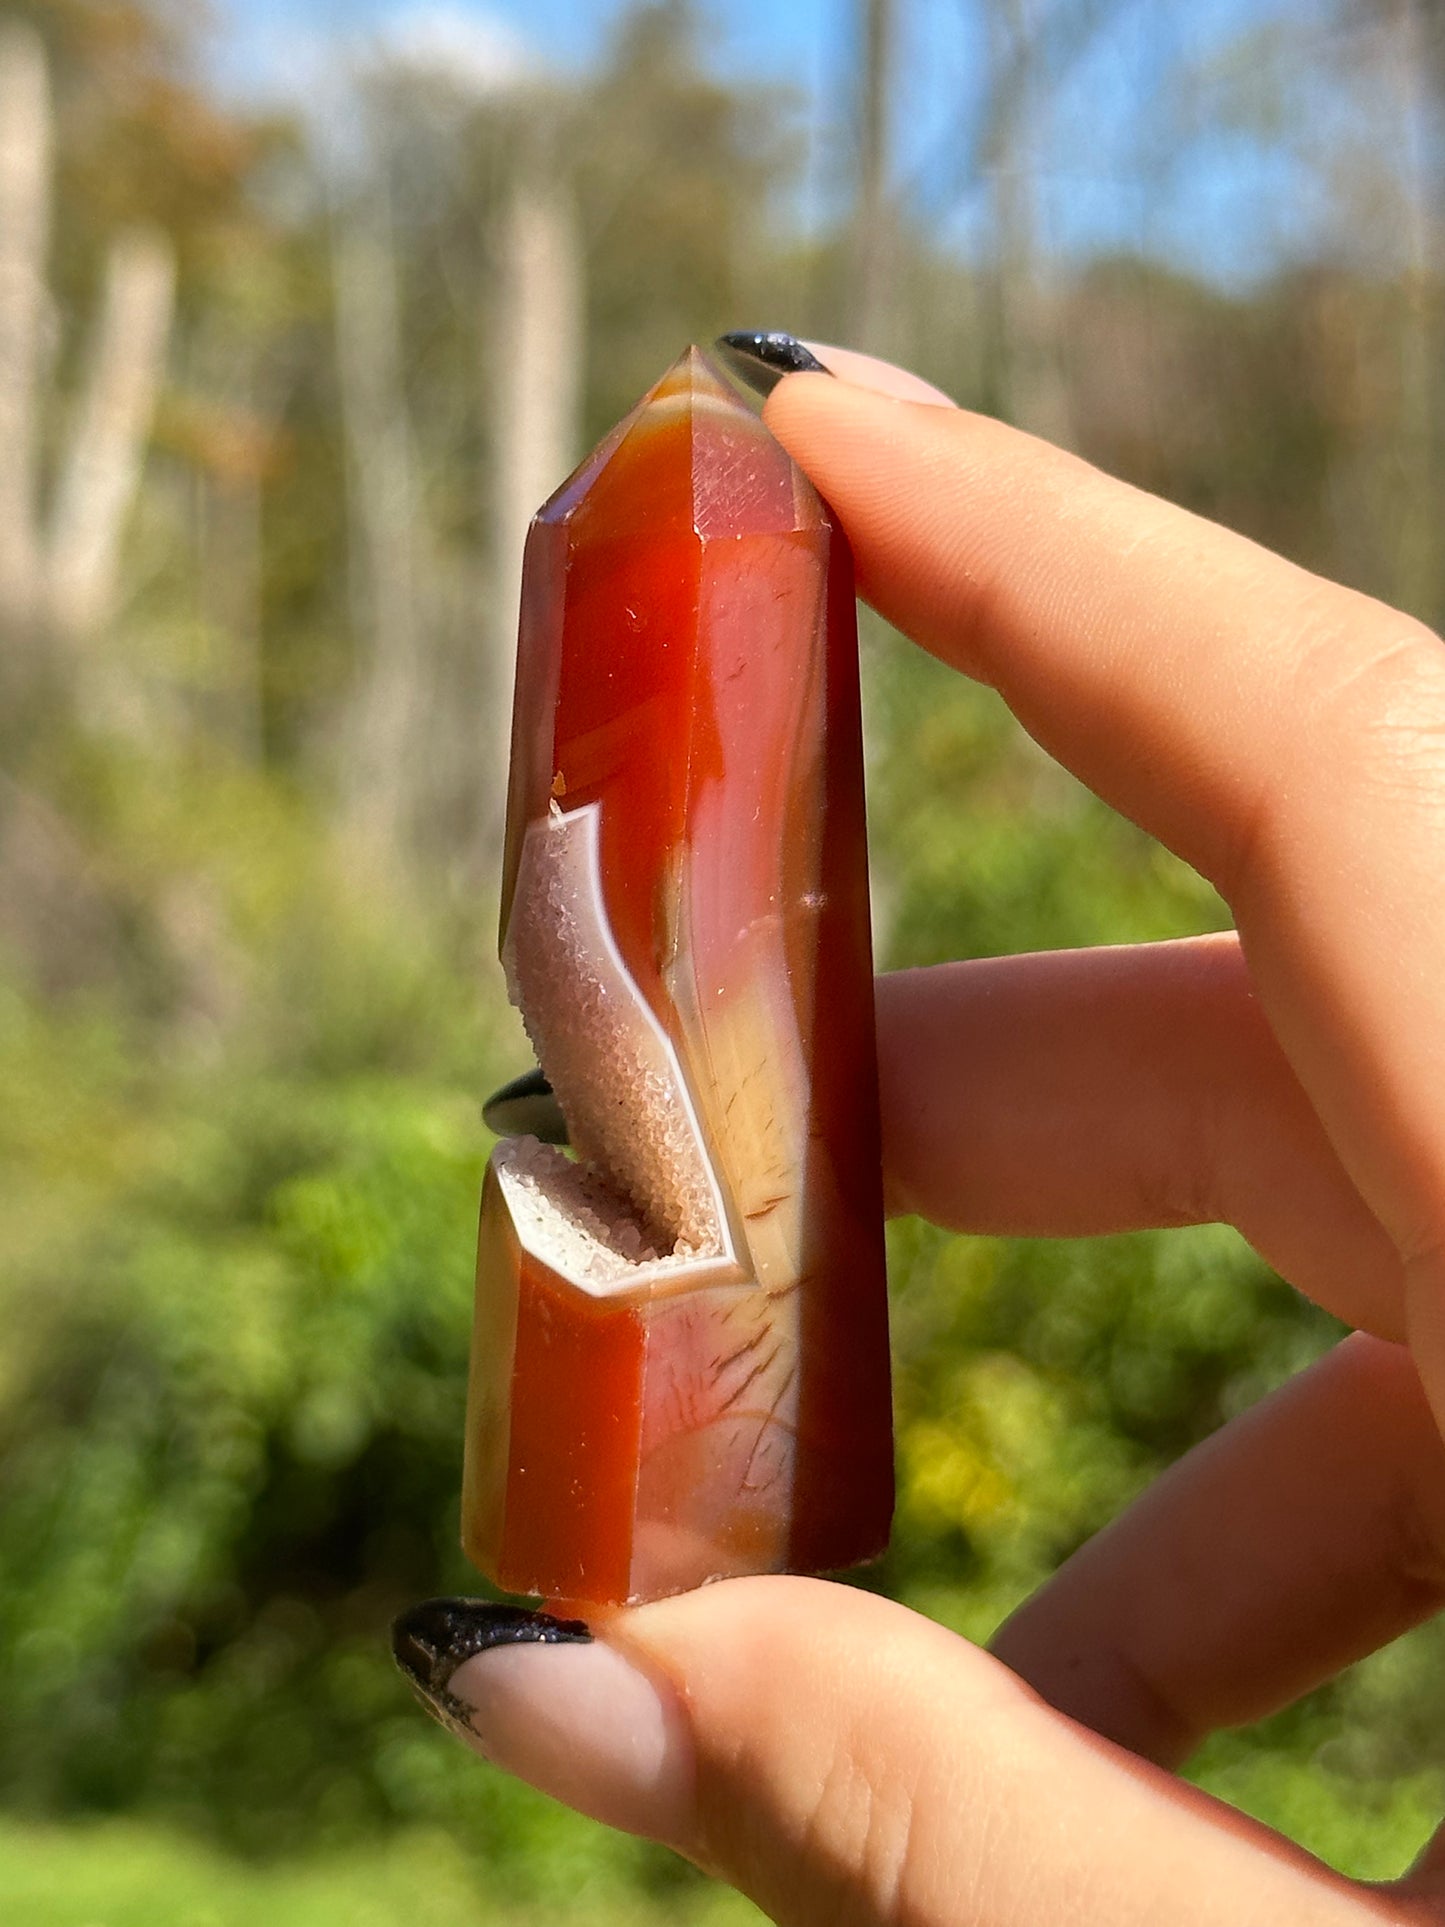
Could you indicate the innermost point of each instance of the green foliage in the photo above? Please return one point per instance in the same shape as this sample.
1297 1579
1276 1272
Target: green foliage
985 846
250 1305
1042 1384
126 1875
1372 1827
237 1291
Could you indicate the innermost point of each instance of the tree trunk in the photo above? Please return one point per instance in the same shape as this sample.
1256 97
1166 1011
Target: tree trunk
384 514
1420 573
534 374
873 251
1032 383
102 469
25 145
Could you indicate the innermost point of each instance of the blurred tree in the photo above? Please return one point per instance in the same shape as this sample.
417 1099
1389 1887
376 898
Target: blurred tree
25 142
388 592
872 287
1404 70
498 213
59 573
98 480
534 370
680 184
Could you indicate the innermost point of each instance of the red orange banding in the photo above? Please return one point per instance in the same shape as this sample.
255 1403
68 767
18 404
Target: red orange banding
680 1368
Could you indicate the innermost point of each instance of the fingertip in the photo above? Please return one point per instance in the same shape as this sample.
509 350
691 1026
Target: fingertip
587 1721
823 412
764 357
880 377
912 486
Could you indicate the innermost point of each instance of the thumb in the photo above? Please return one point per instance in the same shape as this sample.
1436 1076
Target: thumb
840 1759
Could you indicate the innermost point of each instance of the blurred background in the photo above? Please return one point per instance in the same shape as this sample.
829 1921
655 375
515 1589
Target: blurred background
304 307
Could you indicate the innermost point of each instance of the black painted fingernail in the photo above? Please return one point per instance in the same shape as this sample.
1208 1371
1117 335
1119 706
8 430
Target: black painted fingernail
762 359
526 1108
432 1640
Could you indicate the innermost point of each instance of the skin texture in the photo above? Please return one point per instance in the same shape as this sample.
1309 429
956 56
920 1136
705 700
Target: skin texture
842 1760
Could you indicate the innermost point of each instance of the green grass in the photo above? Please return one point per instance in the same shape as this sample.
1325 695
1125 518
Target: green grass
133 1875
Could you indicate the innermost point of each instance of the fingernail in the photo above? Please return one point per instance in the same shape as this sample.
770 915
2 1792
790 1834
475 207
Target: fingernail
432 1640
761 359
545 1701
526 1108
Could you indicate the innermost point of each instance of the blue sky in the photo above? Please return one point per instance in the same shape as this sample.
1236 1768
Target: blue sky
1112 170
749 37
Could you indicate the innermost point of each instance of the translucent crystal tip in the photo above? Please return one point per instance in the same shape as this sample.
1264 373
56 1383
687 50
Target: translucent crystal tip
695 377
692 453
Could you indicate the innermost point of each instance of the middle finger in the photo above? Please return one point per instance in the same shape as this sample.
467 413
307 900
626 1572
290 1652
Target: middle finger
1116 1089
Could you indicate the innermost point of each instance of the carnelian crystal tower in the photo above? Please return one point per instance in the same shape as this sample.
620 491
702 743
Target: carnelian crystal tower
680 1360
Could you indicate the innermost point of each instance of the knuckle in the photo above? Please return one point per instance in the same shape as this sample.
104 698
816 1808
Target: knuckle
1417 1530
863 1826
1413 1504
1361 711
1377 682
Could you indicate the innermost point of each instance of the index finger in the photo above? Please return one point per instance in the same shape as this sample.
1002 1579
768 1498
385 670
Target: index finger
1284 735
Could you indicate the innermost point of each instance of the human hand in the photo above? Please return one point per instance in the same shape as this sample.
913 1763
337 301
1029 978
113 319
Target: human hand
837 1757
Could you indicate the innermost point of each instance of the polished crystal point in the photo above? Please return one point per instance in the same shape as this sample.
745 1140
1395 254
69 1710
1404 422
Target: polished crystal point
680 1360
